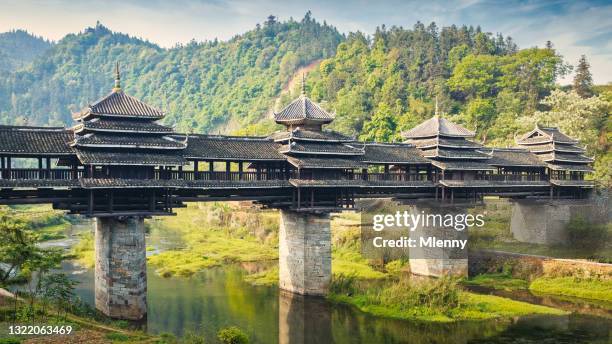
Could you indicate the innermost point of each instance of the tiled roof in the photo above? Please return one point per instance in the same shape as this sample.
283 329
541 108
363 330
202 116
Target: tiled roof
570 167
445 142
119 104
513 157
438 126
381 153
206 147
549 147
302 110
37 183
35 141
565 157
463 165
334 148
579 183
493 183
310 135
128 141
123 157
545 135
123 125
455 154
323 163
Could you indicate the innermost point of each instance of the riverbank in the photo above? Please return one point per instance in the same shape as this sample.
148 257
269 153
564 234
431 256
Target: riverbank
235 234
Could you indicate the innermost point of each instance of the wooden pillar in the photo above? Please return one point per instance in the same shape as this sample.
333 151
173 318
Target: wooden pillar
111 197
152 201
299 197
312 198
227 170
2 167
40 168
8 167
48 166
240 170
90 204
364 173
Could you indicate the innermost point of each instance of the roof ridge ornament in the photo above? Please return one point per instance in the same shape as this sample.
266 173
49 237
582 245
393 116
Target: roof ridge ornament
117 87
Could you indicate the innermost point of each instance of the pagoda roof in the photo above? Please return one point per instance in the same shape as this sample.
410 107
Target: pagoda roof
558 147
25 141
463 165
303 110
517 157
565 157
104 140
544 135
570 167
437 126
211 147
310 135
445 153
123 157
448 142
323 163
394 153
320 148
119 104
121 126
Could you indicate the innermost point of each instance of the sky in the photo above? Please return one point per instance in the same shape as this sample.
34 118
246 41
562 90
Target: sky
574 27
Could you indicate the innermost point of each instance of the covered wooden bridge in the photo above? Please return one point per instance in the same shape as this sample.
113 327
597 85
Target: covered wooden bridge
119 165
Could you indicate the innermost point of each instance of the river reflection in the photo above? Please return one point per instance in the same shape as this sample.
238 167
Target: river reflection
219 297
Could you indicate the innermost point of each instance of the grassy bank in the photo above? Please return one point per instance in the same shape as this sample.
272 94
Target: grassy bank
593 289
47 223
214 234
440 300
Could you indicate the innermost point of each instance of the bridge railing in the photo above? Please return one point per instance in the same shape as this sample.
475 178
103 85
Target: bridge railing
30 173
512 177
399 177
220 175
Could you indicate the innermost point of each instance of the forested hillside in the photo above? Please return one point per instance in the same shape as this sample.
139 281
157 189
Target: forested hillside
18 48
382 85
378 85
201 86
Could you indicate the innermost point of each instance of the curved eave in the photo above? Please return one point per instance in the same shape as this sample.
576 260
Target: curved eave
81 128
289 151
93 145
305 120
88 114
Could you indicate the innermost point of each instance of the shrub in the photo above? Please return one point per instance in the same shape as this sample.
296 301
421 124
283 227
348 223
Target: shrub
584 234
343 284
232 335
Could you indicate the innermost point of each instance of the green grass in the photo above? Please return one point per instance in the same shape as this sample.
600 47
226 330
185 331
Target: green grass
500 281
228 236
439 300
84 250
576 287
268 277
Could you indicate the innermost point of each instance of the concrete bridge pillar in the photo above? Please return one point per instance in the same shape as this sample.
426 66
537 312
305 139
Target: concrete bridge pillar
120 274
438 261
304 253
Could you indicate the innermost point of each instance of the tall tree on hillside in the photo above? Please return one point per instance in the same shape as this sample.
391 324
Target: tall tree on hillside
583 81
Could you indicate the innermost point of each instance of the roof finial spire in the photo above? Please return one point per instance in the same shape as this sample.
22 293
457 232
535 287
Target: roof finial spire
117 78
303 84
436 110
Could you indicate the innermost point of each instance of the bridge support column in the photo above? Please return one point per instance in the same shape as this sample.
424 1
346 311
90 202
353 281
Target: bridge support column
545 222
120 274
304 253
438 261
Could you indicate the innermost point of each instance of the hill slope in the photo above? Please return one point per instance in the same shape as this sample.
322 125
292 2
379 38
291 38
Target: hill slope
19 48
201 86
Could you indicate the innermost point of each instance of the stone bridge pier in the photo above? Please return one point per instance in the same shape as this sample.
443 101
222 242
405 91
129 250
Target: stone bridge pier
546 221
438 261
121 271
304 252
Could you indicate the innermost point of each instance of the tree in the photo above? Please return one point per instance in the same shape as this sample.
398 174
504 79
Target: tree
381 127
583 80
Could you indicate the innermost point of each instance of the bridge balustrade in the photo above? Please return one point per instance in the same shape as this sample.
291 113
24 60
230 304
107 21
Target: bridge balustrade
30 173
512 177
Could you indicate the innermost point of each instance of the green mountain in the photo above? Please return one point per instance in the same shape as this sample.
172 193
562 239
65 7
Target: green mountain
18 48
201 86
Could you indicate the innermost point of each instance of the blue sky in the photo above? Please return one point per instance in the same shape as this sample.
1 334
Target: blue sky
575 27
